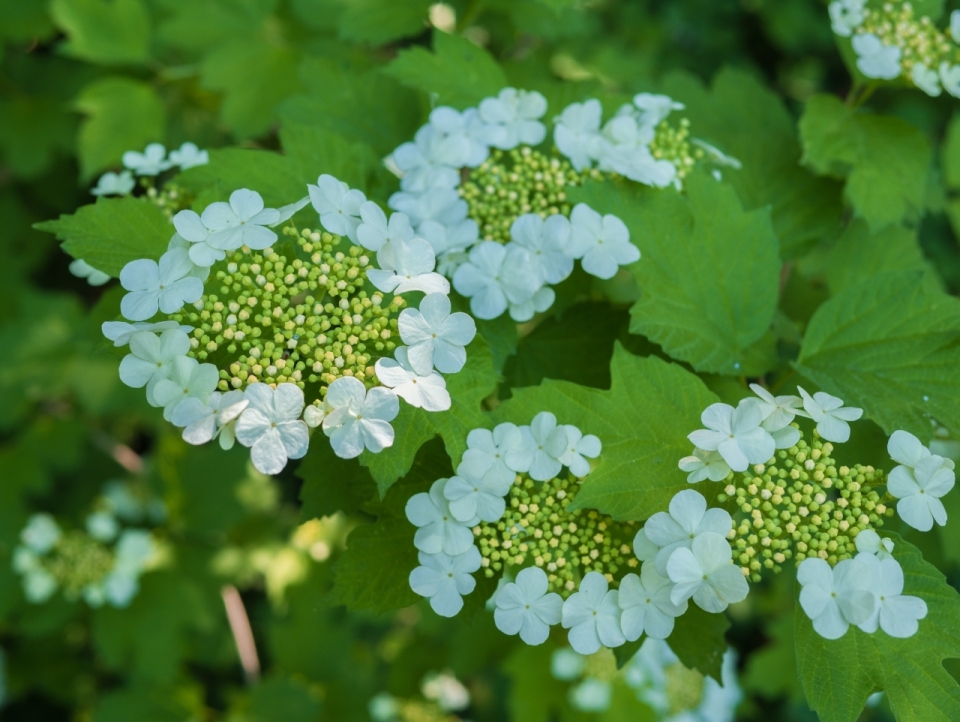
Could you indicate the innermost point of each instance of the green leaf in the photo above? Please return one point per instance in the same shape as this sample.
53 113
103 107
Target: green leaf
839 675
332 484
642 420
699 640
144 702
743 118
32 131
274 176
859 255
381 21
121 115
885 159
203 24
950 154
890 345
534 691
112 232
108 32
709 273
771 670
283 698
457 71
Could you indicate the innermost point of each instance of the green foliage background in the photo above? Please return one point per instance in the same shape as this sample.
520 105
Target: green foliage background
831 259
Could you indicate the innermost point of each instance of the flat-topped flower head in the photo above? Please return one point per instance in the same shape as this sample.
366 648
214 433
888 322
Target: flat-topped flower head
834 598
525 607
705 573
445 578
592 615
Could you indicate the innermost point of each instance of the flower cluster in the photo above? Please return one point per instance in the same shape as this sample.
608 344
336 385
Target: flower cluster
444 696
101 564
657 677
266 337
151 162
891 42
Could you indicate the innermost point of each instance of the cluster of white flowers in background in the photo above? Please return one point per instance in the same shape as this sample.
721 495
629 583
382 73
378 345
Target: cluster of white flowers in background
442 689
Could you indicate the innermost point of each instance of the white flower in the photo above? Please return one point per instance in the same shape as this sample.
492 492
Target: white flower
477 136
643 548
950 77
875 59
736 434
706 573
518 113
927 79
164 285
430 161
541 446
624 149
476 496
82 269
338 206
241 222
830 415
41 533
919 490
896 614
548 242
374 230
102 525
446 690
191 228
601 242
704 465
151 356
525 607
151 162
646 605
427 392
777 411
120 332
566 665
654 109
270 425
868 541
687 519
579 449
358 418
591 695
434 336
443 205
134 549
202 422
846 16
407 266
114 184
450 239
577 133
592 614
186 378
835 598
188 156
497 277
907 449
445 578
39 585
178 242
439 530
487 450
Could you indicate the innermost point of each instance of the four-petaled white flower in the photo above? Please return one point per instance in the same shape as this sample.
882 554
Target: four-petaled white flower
525 607
687 519
428 392
907 449
919 490
927 79
270 425
114 184
164 285
896 613
579 449
434 336
241 222
338 206
705 573
357 418
875 59
477 136
777 411
476 496
217 418
518 112
450 239
830 415
407 266
654 109
120 332
834 598
191 228
955 26
950 77
541 446
735 433
643 548
189 155
497 277
548 242
439 530
846 16
442 205
487 450
429 161
375 230
704 465
82 269
152 161
592 614
646 605
151 356
602 243
187 378
445 578
41 534
869 542
577 133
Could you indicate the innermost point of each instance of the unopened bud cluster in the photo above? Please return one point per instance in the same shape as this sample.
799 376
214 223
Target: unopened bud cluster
919 39
801 504
510 184
539 527
305 317
673 144
77 562
171 198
